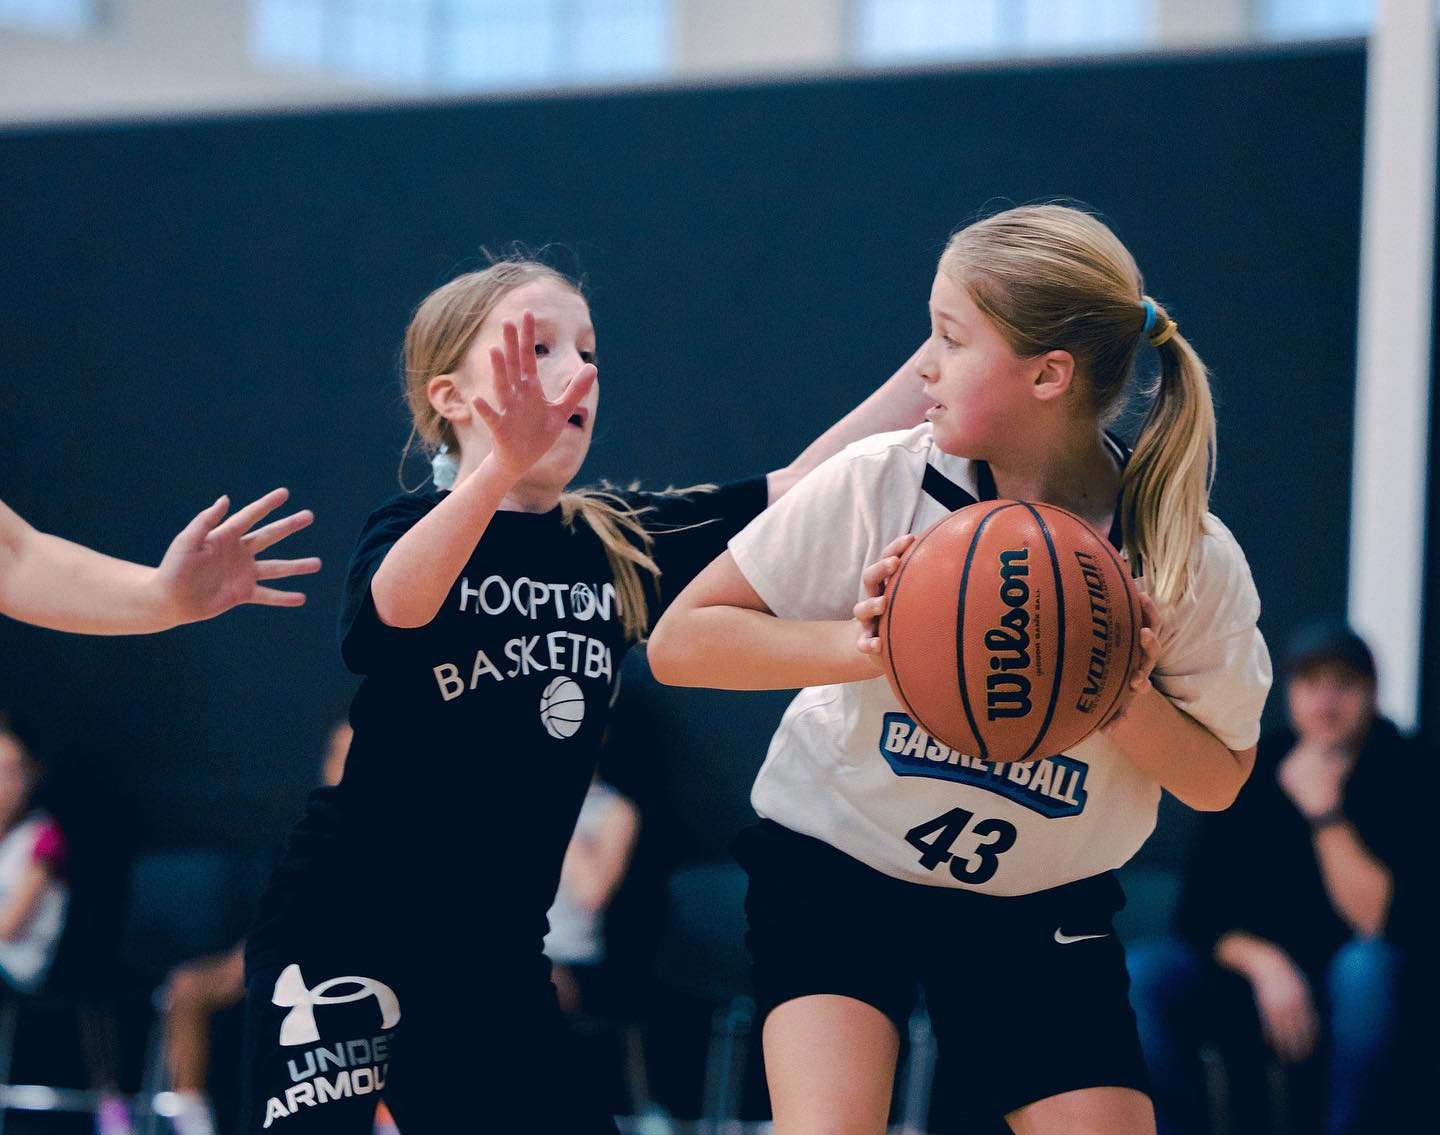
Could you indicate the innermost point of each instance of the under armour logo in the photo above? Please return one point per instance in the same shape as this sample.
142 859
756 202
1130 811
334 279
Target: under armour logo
291 992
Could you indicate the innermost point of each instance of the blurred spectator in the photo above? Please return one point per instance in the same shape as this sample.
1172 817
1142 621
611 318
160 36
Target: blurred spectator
197 990
595 864
34 894
1291 920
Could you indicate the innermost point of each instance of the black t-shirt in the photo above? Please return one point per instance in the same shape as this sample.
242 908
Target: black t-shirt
1254 868
476 735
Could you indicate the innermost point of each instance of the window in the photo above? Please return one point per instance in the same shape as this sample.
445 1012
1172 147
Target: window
892 31
1301 19
466 44
52 17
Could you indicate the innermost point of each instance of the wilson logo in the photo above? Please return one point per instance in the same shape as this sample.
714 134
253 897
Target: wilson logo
1007 690
1098 664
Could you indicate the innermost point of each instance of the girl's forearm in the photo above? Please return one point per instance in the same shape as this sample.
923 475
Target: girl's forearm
54 583
1180 754
899 403
417 573
734 648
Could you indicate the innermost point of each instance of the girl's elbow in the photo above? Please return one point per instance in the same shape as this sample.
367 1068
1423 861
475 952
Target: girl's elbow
1213 800
662 652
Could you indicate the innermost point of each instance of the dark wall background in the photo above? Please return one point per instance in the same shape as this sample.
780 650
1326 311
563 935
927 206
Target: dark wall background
210 306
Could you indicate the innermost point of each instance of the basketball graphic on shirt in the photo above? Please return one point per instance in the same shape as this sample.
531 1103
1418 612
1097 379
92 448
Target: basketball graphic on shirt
562 708
582 601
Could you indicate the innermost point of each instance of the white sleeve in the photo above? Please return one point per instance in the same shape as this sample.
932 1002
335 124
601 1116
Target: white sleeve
804 555
1213 663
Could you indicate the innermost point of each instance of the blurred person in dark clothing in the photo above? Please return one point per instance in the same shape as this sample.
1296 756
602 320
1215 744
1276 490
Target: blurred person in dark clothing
1296 907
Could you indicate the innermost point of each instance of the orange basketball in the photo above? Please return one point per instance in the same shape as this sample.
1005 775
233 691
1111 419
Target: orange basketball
1011 630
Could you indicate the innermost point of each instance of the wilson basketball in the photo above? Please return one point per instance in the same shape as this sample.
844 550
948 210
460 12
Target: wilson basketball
1010 631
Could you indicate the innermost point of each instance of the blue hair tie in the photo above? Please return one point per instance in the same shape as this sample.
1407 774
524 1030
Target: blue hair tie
1149 317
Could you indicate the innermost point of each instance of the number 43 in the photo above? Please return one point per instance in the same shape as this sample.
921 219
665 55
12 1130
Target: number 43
934 838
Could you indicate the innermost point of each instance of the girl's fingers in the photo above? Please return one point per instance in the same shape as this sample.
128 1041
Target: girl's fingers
876 574
868 644
254 511
577 388
1147 659
529 366
510 334
504 380
269 597
204 521
899 545
276 531
488 414
868 609
280 569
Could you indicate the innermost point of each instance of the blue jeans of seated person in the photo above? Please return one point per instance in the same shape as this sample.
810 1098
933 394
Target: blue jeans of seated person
1182 1002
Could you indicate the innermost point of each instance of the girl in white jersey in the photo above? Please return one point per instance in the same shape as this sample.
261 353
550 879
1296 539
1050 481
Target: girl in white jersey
885 860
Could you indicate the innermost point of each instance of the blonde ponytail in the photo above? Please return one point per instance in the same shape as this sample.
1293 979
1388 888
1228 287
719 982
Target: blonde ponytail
628 547
1166 488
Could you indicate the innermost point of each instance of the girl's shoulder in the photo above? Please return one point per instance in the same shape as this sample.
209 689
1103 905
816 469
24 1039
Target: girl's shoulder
1217 557
1220 589
882 466
397 513
406 504
912 446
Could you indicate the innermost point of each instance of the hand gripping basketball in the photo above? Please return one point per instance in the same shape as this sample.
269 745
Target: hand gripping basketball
1011 631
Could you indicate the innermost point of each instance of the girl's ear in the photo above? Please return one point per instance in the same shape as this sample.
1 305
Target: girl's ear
1055 372
445 395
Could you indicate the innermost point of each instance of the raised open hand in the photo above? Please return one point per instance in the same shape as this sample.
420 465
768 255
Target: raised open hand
524 424
211 566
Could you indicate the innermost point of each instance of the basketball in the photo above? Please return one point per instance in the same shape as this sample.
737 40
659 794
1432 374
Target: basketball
1010 631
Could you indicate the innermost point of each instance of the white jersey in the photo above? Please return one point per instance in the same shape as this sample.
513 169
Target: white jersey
849 767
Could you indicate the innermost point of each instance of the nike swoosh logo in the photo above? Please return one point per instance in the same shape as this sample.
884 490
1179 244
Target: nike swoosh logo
1065 939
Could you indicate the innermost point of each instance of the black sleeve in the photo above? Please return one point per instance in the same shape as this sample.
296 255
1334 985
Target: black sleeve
364 639
691 529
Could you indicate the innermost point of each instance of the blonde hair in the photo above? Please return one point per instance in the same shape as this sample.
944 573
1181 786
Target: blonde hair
1051 277
439 335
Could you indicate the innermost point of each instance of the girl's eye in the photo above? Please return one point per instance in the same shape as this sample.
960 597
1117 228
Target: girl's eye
949 342
541 349
587 356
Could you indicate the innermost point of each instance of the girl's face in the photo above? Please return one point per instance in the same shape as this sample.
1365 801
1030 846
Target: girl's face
14 781
564 341
981 388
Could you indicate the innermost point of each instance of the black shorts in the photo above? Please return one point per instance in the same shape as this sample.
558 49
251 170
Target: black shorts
1028 996
456 1043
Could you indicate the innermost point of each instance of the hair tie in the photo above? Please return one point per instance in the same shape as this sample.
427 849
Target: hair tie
443 468
1149 317
1165 335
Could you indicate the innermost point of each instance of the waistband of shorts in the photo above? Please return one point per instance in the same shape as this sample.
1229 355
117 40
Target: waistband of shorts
1095 895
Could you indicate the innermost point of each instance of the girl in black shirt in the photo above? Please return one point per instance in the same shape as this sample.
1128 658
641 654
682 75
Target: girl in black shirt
398 948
